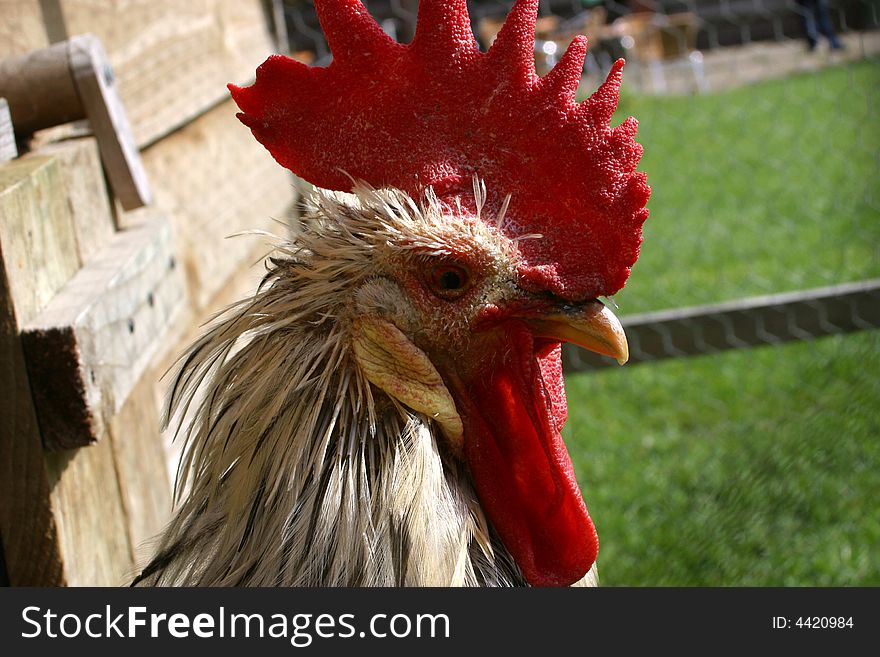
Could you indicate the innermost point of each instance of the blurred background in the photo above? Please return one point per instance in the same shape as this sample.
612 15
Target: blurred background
741 445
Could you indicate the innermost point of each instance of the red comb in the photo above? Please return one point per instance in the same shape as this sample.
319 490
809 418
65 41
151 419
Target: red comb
438 111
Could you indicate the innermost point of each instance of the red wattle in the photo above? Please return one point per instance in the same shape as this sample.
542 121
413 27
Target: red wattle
521 468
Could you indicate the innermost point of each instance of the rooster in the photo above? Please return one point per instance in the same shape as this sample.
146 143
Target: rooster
386 409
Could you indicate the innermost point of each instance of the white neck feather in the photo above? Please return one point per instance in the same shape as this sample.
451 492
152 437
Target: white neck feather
297 472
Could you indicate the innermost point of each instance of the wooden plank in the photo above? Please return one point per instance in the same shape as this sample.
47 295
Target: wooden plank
172 59
214 181
97 90
70 81
755 321
8 148
97 336
140 461
21 28
27 524
92 536
62 520
53 20
36 232
86 192
40 89
37 256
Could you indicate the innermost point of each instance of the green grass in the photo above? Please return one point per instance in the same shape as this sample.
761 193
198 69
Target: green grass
757 467
762 466
769 188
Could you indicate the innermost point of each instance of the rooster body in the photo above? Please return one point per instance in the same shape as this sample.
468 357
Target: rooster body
298 472
387 409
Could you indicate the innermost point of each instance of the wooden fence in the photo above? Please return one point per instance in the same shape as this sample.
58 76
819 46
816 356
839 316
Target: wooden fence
96 302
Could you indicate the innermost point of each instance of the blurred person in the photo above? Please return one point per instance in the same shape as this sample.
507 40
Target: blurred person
817 22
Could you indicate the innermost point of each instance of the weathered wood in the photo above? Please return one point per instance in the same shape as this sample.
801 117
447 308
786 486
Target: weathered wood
173 59
97 336
37 256
755 321
140 461
92 537
40 89
53 20
21 27
176 60
86 193
70 81
36 232
8 149
27 524
62 518
95 84
214 181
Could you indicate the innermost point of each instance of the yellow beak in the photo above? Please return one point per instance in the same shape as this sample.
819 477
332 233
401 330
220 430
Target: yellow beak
591 326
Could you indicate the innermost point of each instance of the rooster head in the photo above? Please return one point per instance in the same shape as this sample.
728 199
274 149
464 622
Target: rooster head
501 210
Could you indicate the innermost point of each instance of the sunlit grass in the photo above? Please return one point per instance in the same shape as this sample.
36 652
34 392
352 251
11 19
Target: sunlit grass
761 466
768 188
758 467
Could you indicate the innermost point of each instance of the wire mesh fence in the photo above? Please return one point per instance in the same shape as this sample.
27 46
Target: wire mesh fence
757 459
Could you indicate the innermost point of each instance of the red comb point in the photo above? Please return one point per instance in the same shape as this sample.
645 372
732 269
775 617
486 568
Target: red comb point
443 33
438 111
563 81
513 50
353 36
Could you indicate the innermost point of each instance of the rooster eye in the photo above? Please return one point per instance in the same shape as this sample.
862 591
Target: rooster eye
449 281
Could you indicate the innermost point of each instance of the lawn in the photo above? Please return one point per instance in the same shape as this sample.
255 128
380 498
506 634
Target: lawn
761 466
763 189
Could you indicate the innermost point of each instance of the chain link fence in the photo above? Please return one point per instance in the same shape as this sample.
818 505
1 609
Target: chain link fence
756 459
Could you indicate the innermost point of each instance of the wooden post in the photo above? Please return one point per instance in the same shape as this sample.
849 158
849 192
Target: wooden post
96 84
79 516
93 219
40 89
70 81
94 340
27 524
37 236
37 256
